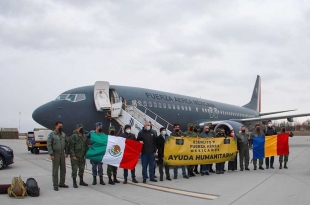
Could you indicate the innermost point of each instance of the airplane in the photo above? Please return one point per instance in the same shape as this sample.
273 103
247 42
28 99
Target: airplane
90 104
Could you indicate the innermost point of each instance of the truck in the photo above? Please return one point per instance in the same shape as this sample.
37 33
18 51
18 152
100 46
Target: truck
37 140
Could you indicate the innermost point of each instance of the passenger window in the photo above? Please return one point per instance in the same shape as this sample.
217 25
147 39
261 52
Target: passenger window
80 97
159 105
164 105
155 104
169 106
186 108
196 109
182 107
150 104
178 107
189 108
173 106
144 103
203 110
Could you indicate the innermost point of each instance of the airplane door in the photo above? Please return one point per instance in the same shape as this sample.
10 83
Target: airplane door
101 95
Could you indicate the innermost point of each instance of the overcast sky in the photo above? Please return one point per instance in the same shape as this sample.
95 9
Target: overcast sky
207 49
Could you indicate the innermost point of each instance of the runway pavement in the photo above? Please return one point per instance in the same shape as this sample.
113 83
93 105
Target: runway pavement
291 186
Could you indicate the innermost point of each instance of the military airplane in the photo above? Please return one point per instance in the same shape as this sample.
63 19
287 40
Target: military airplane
81 105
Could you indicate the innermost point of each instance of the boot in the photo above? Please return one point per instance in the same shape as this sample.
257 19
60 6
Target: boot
125 181
280 166
111 181
161 178
134 181
285 167
74 183
94 180
82 183
101 180
114 179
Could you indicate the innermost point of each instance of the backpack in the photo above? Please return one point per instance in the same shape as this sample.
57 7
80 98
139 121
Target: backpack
32 187
17 188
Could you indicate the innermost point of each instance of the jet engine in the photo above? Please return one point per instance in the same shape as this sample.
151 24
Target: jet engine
229 125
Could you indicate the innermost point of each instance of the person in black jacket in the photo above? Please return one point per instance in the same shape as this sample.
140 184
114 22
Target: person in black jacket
128 135
268 132
160 142
146 136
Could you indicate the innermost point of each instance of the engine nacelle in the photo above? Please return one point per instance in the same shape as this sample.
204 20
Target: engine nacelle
290 119
229 125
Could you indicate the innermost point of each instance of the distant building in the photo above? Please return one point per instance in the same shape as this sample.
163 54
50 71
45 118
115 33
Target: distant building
9 133
37 129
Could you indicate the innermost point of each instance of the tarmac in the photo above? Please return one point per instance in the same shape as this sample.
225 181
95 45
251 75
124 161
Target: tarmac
272 186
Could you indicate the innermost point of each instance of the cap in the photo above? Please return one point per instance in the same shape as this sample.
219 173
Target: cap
79 126
190 124
112 128
210 123
127 126
98 124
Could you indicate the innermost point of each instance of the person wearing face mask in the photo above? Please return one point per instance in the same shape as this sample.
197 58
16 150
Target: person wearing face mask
160 143
212 133
57 146
112 170
205 168
96 165
268 132
232 164
257 133
243 143
146 136
178 133
285 156
190 133
77 148
128 135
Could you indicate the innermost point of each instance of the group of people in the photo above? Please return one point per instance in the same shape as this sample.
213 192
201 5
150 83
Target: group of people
152 154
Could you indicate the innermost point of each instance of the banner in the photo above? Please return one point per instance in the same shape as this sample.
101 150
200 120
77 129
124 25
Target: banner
193 151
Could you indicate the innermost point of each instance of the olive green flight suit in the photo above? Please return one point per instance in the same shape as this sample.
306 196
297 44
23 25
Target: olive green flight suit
57 147
190 168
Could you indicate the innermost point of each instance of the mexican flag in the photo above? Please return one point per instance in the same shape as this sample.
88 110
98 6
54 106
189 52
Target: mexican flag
115 151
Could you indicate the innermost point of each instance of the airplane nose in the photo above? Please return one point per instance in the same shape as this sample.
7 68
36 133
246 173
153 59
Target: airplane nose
43 115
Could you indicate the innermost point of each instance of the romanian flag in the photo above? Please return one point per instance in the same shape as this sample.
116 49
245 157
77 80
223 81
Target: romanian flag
274 145
115 151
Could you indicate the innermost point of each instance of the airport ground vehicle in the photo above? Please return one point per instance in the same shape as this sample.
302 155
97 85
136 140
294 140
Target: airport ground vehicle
6 156
37 140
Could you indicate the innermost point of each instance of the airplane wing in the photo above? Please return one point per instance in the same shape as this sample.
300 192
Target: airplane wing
255 119
271 113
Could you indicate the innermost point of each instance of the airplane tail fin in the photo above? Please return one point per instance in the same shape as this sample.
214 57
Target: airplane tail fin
255 103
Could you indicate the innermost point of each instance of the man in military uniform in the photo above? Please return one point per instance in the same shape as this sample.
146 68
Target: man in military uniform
257 133
269 130
111 169
243 143
285 156
96 165
57 146
190 133
220 133
178 133
77 148
205 168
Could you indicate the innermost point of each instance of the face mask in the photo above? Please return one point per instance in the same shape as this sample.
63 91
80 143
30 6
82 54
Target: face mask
148 128
112 132
81 131
232 134
207 131
269 125
191 129
243 131
100 130
60 129
128 131
195 130
258 129
163 133
177 130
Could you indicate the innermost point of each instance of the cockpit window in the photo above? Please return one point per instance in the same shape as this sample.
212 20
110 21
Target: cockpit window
71 97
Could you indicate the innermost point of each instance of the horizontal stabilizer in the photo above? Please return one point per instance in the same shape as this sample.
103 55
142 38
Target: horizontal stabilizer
271 113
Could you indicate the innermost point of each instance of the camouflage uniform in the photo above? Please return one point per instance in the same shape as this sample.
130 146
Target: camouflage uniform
111 169
57 146
77 148
191 134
